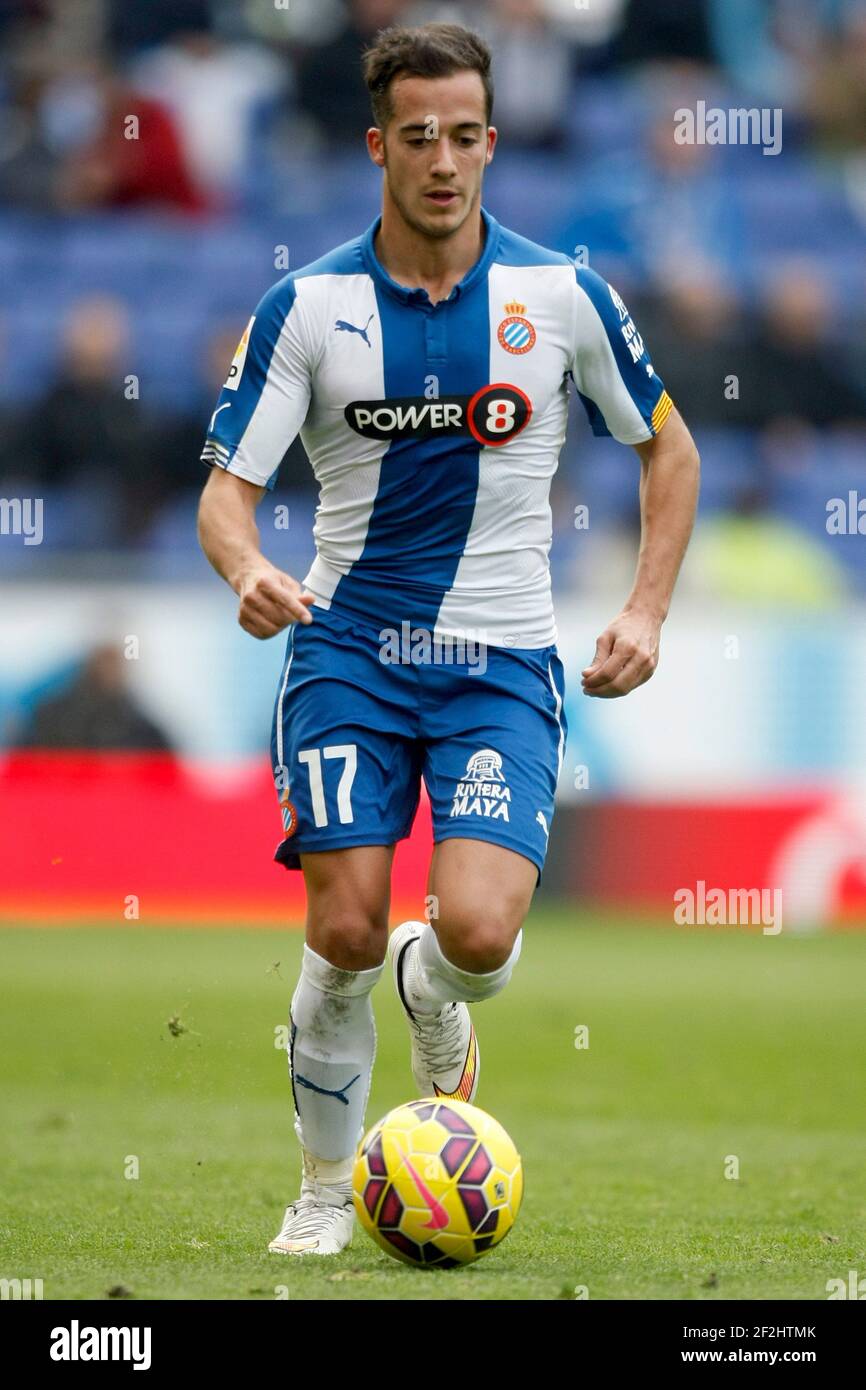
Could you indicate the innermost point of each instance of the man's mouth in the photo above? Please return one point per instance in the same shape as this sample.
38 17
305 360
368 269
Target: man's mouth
443 196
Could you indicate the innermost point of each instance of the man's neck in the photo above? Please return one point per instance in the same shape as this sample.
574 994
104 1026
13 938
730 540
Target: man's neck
435 264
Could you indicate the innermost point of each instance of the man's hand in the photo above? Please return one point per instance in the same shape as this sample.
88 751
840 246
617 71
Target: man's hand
626 654
270 601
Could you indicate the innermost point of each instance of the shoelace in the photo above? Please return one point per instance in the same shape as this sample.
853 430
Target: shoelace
444 1046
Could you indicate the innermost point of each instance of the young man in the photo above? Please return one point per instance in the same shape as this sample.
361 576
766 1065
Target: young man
425 365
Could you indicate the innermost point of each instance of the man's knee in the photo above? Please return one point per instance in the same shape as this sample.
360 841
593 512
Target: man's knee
347 922
481 940
348 936
347 905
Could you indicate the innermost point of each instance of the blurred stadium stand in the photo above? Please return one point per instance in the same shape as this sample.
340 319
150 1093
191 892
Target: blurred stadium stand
734 263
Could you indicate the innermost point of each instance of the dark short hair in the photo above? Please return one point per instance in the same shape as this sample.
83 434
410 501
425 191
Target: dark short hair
433 50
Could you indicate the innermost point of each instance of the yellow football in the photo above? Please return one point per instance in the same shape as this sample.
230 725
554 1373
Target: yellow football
437 1183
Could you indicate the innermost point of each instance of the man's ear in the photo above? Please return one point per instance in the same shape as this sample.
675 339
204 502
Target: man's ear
492 137
376 146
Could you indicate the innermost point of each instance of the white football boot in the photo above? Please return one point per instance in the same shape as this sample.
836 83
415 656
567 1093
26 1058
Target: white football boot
445 1056
321 1221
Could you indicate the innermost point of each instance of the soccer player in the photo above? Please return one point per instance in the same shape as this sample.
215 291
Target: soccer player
426 366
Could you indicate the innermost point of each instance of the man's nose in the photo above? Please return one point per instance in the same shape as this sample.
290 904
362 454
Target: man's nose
443 157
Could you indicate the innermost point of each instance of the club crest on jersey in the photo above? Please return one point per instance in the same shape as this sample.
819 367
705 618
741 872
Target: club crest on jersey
515 333
234 377
484 790
495 414
289 815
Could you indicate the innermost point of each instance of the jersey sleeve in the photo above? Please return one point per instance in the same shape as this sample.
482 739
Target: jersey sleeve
266 396
621 391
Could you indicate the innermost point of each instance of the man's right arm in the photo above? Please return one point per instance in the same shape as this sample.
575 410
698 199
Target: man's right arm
269 599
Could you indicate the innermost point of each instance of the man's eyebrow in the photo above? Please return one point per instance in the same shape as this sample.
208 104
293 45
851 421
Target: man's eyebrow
424 125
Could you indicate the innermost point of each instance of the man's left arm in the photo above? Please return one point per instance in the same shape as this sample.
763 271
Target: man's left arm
627 652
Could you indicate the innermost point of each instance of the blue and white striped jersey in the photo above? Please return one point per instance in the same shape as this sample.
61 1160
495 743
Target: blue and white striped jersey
434 430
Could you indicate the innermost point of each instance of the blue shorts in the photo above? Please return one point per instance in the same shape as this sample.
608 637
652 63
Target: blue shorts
358 722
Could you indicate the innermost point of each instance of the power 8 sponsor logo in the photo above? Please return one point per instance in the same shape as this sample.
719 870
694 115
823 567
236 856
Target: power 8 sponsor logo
493 415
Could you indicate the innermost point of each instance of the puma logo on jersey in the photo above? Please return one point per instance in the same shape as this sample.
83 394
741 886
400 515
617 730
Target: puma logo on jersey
341 326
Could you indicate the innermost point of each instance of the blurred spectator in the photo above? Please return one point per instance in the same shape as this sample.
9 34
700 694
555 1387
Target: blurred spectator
11 429
660 204
591 26
786 363
772 49
696 337
837 95
95 711
750 555
687 215
215 93
85 430
664 29
29 156
532 65
133 27
799 372
135 159
304 22
330 86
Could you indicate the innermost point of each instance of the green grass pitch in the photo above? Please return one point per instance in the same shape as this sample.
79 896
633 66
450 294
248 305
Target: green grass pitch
703 1043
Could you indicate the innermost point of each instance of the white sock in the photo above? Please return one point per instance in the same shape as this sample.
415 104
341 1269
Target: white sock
431 980
332 1048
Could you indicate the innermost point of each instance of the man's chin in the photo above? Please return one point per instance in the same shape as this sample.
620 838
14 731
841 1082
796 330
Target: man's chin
441 221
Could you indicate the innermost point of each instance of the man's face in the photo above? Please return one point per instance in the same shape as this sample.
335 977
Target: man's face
435 149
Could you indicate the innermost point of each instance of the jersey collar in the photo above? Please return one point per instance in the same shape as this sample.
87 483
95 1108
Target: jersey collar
419 297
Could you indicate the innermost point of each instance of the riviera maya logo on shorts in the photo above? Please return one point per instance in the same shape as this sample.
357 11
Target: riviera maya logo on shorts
484 790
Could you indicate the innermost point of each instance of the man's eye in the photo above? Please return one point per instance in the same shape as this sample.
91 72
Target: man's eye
419 140
468 140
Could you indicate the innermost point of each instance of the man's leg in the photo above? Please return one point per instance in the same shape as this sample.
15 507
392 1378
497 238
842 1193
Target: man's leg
333 1035
480 893
347 769
494 746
